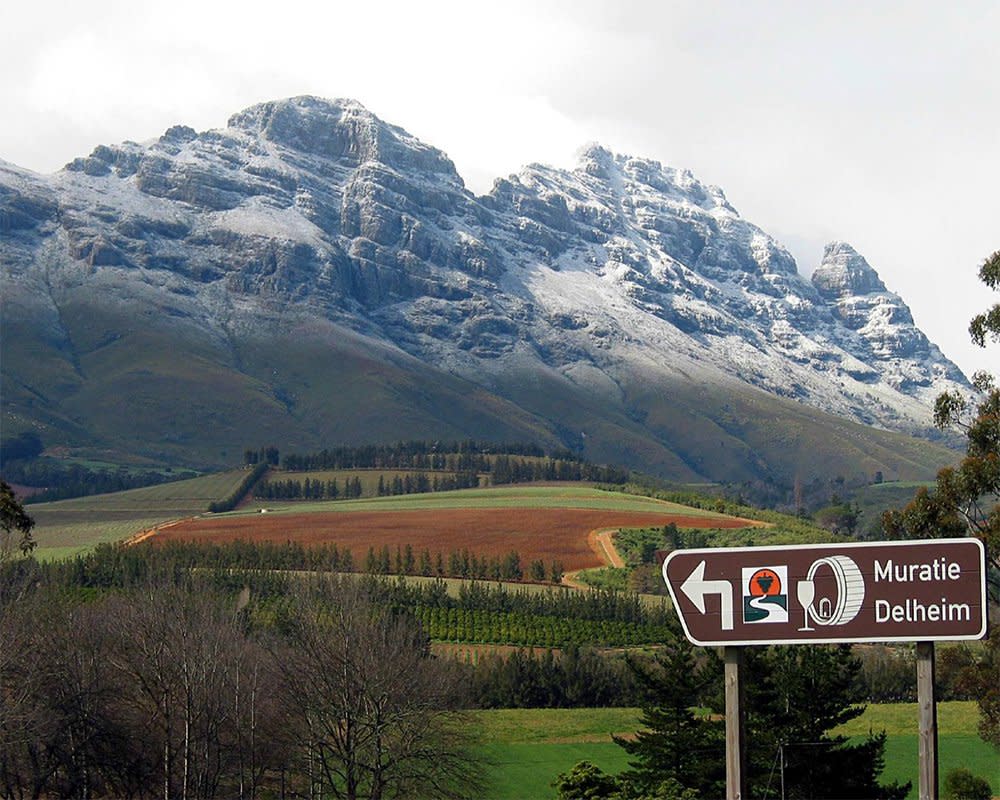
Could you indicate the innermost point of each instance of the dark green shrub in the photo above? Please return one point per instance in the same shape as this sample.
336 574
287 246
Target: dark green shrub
961 784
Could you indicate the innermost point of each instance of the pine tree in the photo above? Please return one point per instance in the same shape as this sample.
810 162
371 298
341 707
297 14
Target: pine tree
798 696
673 742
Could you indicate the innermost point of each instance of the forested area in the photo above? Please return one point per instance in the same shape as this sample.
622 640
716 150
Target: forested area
22 463
128 673
174 687
798 696
138 672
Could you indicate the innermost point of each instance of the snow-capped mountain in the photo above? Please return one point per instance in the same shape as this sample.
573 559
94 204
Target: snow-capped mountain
582 303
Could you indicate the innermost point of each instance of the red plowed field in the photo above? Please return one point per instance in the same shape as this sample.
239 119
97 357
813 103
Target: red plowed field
548 534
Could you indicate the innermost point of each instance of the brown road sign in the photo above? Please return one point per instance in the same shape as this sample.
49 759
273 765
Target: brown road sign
928 590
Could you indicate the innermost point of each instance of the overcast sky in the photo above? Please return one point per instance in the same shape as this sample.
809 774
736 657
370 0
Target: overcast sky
874 123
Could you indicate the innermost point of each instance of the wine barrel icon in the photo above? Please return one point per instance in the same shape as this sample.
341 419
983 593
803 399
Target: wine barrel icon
850 591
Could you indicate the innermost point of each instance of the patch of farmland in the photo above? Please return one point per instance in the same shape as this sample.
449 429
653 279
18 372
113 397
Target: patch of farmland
67 527
519 496
557 532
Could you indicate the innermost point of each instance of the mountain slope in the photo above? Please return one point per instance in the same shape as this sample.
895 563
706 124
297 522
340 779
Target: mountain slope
311 275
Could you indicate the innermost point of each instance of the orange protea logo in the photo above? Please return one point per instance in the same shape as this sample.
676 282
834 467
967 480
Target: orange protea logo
765 598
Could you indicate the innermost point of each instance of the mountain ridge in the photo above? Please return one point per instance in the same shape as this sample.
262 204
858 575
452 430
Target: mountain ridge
617 285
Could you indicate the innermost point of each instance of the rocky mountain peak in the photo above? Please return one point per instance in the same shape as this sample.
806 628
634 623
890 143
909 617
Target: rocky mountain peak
635 175
845 273
341 130
596 160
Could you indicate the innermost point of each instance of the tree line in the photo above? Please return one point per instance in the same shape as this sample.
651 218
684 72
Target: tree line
309 489
573 677
233 499
505 463
405 560
506 469
332 489
269 570
62 481
459 564
465 456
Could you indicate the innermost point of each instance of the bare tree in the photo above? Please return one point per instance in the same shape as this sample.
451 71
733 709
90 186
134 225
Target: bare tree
189 669
165 692
18 716
376 714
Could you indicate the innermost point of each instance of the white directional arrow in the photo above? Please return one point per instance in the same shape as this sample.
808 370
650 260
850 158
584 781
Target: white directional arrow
696 587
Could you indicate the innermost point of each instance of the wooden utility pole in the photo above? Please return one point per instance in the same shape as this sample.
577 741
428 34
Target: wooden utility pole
736 763
927 708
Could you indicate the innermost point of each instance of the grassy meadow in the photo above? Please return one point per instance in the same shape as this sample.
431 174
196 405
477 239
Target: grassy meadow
517 496
526 748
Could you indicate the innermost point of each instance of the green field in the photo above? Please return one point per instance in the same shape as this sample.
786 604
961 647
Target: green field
67 527
521 496
526 748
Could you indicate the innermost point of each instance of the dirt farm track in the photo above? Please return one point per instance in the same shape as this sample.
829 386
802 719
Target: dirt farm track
540 533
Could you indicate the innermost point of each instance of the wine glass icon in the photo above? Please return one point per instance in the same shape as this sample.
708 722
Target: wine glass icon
806 592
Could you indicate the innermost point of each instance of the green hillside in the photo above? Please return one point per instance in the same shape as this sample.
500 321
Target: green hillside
130 381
